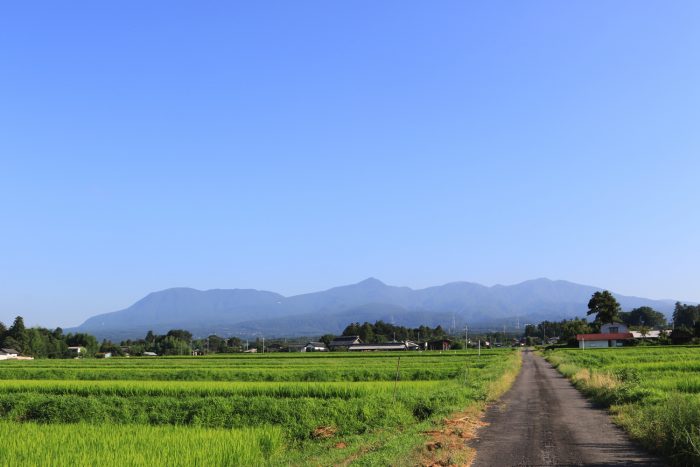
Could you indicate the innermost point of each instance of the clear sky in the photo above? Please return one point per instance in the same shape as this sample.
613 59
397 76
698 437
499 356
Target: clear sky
294 146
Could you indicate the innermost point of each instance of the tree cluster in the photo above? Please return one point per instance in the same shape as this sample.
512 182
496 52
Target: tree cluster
686 324
175 342
643 317
386 332
40 342
686 315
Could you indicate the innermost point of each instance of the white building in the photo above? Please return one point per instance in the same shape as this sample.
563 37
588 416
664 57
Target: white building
315 347
650 334
7 354
610 335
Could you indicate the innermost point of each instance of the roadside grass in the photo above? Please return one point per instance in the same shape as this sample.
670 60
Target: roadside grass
651 392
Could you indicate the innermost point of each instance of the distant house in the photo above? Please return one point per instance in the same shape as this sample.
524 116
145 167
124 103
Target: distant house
296 348
253 350
439 344
610 335
273 348
387 346
7 354
150 354
315 347
344 342
76 350
103 355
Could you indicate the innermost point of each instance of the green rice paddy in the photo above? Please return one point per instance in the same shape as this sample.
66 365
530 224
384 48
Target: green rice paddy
274 409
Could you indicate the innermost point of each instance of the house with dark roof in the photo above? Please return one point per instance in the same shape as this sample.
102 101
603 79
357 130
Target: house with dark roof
439 344
344 342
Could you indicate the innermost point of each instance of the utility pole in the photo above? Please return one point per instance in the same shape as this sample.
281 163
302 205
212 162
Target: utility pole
263 337
544 334
466 337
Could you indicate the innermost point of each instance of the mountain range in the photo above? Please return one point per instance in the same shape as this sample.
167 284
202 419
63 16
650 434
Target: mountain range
249 312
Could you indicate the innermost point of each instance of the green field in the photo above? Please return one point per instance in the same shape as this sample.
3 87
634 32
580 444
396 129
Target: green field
653 392
275 409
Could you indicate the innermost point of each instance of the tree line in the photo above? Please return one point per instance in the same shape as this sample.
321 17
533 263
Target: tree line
40 342
176 342
381 332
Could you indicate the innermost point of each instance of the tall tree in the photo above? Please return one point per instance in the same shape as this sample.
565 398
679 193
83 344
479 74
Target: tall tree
18 333
686 315
604 306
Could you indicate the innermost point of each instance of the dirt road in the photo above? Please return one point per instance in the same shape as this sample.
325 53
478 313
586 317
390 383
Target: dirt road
543 420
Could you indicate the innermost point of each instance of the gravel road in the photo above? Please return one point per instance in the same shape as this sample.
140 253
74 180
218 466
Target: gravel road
544 420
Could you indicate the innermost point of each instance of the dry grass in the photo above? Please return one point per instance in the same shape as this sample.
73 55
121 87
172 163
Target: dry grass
595 380
448 446
500 386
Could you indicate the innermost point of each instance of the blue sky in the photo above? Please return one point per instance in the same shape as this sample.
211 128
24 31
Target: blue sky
295 146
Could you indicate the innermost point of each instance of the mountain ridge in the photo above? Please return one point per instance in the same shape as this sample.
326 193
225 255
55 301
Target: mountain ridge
250 312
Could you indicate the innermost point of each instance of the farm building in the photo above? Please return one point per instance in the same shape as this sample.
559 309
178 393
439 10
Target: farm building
406 345
6 354
610 335
315 347
650 334
439 344
344 342
76 351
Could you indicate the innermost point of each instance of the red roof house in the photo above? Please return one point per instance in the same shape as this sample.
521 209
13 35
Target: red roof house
609 339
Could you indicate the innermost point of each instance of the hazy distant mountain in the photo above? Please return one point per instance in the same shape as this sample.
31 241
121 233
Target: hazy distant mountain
254 312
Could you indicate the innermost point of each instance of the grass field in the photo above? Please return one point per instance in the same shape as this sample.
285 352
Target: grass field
276 409
653 392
